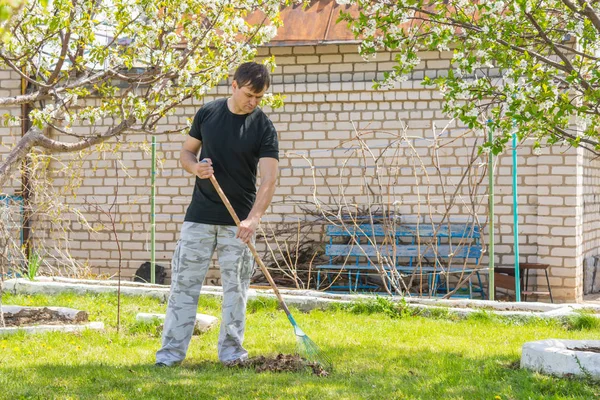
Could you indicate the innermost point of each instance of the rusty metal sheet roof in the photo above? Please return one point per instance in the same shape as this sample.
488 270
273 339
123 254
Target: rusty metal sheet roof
313 25
317 24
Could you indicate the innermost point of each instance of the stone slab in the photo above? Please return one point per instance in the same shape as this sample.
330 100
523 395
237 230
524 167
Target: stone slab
51 328
556 357
204 322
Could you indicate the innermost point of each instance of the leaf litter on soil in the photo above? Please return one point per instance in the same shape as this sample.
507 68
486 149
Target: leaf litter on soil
30 316
281 363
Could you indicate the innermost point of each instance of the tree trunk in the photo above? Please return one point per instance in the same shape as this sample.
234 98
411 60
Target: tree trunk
29 140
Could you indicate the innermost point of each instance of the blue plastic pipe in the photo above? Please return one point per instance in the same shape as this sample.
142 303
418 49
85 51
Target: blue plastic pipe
516 220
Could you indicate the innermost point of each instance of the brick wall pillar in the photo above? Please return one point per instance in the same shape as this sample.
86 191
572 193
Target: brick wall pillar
559 215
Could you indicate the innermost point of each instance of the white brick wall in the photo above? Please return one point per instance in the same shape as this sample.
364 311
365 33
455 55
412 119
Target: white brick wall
329 93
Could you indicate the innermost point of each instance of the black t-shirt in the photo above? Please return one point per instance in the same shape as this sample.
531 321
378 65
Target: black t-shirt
234 143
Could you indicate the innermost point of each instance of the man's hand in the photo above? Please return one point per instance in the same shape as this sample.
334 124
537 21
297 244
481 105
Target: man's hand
246 229
204 169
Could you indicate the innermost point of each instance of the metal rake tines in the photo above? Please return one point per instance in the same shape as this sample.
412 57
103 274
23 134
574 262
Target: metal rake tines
313 353
309 349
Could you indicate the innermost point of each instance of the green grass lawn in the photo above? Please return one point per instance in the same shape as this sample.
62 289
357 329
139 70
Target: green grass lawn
377 355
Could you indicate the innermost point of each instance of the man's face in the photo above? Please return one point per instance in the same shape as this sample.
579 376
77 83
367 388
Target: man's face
245 98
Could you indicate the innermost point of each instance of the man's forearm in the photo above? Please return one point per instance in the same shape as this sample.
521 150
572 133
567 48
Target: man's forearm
263 199
188 161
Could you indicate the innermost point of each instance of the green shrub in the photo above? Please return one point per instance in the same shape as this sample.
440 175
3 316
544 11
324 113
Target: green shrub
381 305
151 328
438 313
33 266
582 321
481 315
262 304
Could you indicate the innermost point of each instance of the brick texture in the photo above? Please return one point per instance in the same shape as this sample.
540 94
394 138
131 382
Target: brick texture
333 127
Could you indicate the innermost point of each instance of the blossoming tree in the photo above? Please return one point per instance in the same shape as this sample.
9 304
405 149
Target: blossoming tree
527 66
131 62
8 8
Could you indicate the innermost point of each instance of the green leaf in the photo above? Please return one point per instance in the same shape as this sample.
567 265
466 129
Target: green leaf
5 12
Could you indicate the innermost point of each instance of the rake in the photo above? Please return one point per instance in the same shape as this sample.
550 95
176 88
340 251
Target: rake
306 346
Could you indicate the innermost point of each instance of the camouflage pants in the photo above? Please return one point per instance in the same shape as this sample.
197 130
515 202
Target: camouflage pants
189 266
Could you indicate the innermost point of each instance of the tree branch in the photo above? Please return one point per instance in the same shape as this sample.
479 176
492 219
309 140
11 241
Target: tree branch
561 132
35 137
559 53
587 11
8 62
18 153
63 51
464 25
29 98
61 147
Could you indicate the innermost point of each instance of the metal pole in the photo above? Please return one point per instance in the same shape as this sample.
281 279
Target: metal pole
491 254
153 217
516 220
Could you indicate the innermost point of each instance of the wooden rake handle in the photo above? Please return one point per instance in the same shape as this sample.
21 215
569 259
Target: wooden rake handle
264 269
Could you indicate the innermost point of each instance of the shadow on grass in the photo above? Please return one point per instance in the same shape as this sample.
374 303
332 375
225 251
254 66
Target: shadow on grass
424 375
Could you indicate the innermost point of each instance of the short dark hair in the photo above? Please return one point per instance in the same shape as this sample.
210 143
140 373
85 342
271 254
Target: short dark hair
253 74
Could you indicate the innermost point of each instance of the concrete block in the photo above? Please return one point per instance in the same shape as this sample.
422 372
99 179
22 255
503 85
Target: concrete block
203 322
558 357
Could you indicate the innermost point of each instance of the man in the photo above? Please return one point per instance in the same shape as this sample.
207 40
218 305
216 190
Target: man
234 137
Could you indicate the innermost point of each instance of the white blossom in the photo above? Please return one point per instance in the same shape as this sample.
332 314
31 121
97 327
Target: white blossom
547 105
269 32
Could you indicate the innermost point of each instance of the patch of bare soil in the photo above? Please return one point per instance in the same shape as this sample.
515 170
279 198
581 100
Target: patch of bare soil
590 349
42 316
281 363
